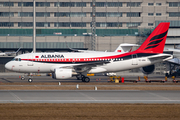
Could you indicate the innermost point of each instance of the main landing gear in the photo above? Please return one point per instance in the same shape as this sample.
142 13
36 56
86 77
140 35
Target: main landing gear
83 78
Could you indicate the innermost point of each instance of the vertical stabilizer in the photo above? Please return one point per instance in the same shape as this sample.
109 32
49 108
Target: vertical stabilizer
156 40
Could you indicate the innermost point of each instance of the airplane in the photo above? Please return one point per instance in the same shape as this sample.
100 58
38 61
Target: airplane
9 53
124 47
175 62
66 65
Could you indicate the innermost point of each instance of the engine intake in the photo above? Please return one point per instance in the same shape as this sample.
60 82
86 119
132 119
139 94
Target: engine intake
148 69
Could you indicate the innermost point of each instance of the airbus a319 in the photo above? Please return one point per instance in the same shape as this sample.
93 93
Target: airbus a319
66 65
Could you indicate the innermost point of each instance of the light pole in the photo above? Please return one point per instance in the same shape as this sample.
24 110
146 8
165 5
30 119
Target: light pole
93 28
34 26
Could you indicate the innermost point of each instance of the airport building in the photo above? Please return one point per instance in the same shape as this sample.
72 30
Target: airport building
61 22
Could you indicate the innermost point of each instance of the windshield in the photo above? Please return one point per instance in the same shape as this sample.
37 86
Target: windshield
16 59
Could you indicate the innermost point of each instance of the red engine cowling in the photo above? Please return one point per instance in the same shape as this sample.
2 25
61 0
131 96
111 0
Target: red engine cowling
148 69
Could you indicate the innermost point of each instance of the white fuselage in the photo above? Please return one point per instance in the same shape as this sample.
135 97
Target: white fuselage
47 62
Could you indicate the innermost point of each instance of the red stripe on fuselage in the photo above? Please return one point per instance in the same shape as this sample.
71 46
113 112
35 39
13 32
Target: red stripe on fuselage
81 59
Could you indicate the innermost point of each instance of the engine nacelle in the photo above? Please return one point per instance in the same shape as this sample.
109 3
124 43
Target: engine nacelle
148 69
62 73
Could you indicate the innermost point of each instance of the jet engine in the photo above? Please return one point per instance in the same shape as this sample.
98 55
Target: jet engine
148 69
62 74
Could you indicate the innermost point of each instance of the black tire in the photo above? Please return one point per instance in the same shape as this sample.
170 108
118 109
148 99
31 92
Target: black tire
78 78
86 79
30 80
22 78
83 79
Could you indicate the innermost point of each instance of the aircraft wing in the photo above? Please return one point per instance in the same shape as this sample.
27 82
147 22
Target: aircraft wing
88 66
174 50
82 67
3 54
175 61
162 57
10 53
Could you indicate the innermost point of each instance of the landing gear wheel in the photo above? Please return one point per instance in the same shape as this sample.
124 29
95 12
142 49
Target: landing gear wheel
86 79
22 78
30 80
83 79
79 77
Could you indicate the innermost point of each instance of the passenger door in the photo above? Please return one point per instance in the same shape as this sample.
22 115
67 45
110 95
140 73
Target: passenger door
134 59
30 63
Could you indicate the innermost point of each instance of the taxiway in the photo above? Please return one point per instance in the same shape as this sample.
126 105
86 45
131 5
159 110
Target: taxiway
88 96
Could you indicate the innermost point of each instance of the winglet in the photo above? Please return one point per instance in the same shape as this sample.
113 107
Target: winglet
156 40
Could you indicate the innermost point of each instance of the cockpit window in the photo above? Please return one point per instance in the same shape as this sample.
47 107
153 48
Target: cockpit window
16 59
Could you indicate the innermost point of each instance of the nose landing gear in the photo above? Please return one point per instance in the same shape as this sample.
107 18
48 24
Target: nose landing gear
22 78
30 80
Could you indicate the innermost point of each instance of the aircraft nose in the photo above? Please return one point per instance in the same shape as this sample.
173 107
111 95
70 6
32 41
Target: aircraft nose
8 66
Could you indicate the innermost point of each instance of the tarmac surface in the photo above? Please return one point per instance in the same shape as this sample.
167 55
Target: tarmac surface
81 96
84 96
13 78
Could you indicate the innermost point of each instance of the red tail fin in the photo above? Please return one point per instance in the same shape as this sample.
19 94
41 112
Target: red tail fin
156 40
